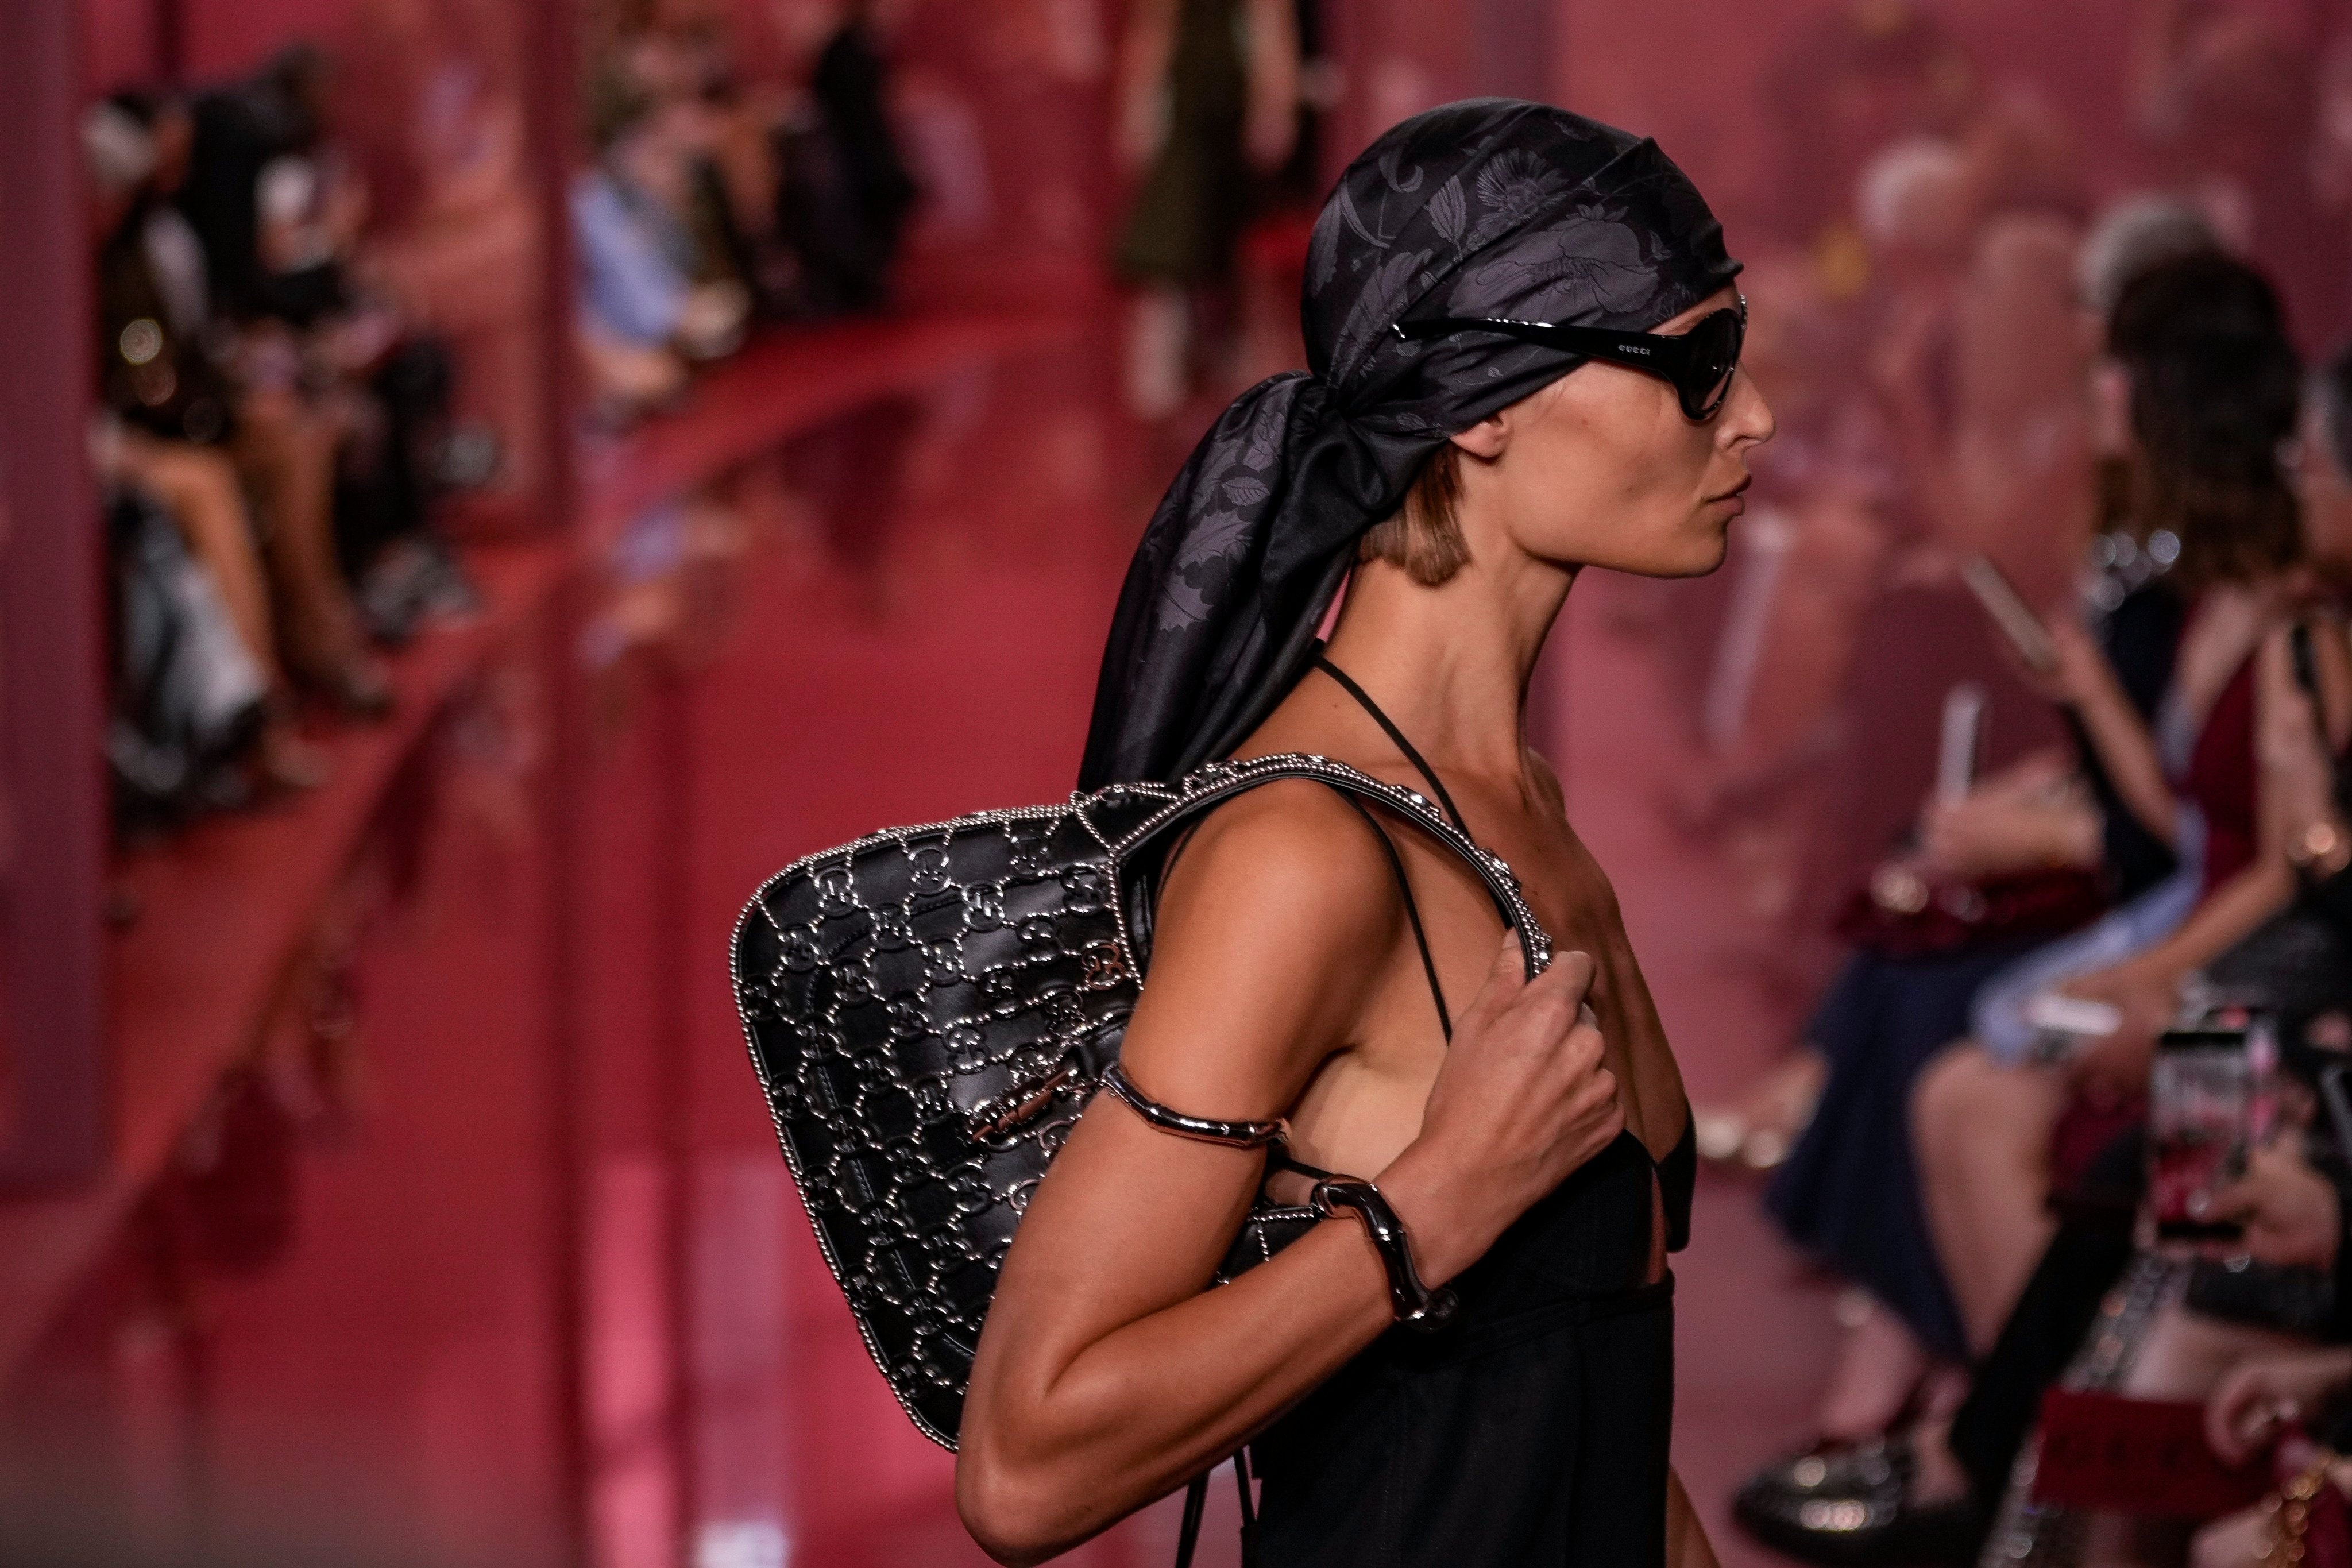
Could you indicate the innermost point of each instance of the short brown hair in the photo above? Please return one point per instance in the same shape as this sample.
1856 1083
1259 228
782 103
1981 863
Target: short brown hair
1425 535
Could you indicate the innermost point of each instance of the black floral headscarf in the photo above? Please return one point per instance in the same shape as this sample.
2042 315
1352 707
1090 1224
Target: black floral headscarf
1487 207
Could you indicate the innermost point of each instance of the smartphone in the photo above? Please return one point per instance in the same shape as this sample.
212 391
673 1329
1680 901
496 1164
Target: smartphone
2202 1107
2010 613
1962 742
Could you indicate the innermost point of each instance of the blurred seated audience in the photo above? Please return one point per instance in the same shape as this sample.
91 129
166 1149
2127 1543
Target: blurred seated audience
265 403
2269 922
2213 393
1934 395
319 351
707 206
171 443
654 296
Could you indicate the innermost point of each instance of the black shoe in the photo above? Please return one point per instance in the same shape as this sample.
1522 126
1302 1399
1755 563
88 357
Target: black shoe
1848 1505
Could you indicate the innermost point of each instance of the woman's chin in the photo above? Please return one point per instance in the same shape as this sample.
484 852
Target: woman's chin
1695 557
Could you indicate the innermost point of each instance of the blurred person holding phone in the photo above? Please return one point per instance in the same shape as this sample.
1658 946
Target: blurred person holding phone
2288 1203
2213 392
1842 1196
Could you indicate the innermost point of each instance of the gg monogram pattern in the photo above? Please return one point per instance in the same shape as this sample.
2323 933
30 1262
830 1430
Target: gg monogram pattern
930 1009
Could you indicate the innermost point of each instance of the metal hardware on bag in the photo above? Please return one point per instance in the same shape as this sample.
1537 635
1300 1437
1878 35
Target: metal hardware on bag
1237 1134
997 1117
877 981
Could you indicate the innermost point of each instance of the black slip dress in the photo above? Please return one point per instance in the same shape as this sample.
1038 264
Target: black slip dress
1533 1427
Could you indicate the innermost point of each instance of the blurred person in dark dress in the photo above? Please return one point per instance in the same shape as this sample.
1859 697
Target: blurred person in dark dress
1208 101
185 430
1926 1489
845 190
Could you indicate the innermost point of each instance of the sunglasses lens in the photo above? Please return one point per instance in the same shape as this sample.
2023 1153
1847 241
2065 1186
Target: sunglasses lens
1715 356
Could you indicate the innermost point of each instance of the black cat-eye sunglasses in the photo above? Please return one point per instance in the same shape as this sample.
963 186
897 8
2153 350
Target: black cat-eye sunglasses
1699 363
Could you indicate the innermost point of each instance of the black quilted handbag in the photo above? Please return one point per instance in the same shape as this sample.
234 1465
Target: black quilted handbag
929 1008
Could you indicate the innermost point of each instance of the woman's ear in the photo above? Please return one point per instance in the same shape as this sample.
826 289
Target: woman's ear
1486 439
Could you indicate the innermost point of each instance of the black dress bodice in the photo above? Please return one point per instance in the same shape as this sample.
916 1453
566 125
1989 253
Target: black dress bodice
1531 1429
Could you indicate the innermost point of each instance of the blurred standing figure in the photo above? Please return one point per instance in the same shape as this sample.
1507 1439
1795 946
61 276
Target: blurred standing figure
846 192
850 87
1208 96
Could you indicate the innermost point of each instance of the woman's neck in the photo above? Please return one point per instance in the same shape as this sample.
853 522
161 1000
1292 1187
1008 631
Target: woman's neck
1451 664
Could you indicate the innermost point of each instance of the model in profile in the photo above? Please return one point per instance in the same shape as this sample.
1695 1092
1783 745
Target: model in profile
1524 342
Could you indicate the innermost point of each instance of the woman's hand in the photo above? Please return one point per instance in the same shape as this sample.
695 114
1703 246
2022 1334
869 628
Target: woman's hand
2113 1067
1522 1100
2293 1217
2261 1397
2239 1540
2081 675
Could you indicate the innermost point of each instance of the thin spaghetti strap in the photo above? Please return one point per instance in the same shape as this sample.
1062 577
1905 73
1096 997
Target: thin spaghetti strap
1413 914
1436 785
1404 886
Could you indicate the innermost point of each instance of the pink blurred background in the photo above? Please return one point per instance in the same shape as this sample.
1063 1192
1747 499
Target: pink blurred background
384 1174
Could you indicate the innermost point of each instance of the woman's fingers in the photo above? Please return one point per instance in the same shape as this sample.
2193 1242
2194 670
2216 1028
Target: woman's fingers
1506 978
1510 1003
1570 977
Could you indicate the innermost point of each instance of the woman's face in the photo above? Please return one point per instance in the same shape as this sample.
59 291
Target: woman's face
1603 468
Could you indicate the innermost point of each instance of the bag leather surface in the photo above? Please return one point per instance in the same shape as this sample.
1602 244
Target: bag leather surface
929 1009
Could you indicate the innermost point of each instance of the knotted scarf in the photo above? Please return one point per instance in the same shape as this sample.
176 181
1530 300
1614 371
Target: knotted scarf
1490 207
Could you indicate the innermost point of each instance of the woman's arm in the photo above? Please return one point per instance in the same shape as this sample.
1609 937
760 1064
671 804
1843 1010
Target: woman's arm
2087 683
1686 1543
2146 988
1109 1372
2297 740
2242 904
2033 815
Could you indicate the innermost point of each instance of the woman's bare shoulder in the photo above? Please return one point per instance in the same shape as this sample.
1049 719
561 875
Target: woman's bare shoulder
1276 919
1295 845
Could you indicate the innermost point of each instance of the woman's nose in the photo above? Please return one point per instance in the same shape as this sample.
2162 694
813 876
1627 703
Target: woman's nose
1748 417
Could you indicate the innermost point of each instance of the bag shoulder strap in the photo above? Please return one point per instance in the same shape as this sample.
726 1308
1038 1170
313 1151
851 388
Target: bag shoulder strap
1404 889
1412 753
1411 914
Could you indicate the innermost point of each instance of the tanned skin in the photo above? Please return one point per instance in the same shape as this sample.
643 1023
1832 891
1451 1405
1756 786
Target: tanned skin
1283 980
